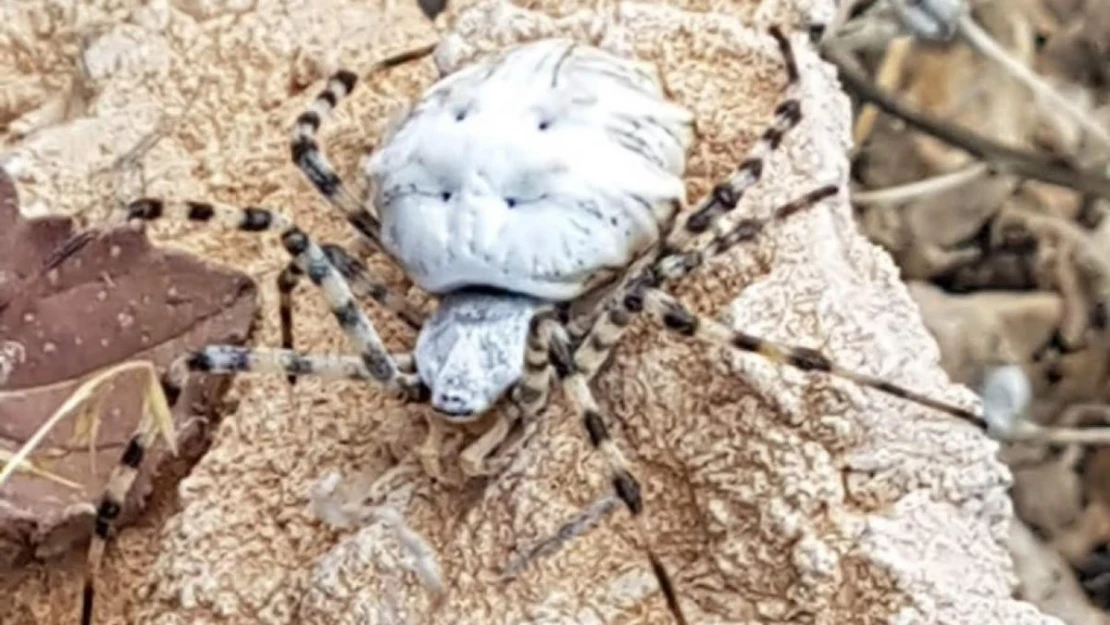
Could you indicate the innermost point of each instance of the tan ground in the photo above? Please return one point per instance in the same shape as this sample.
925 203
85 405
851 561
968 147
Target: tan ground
773 496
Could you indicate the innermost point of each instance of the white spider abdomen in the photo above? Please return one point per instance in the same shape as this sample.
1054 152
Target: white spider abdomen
530 171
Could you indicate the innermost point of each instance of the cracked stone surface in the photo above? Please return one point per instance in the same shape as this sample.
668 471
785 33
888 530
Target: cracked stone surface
773 496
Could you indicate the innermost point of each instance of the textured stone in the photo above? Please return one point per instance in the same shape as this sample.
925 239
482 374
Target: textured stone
772 495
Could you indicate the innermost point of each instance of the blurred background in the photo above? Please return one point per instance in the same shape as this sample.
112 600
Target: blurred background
981 144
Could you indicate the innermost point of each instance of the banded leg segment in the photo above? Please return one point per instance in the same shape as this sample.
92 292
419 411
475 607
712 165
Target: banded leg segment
110 506
533 390
313 261
312 161
363 285
224 359
212 359
678 264
609 327
529 396
726 194
287 281
669 312
575 385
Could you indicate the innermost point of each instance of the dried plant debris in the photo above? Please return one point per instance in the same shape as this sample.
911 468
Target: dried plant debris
1009 271
73 304
1046 580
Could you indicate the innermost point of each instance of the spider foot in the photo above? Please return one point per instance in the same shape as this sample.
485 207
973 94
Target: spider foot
430 452
479 458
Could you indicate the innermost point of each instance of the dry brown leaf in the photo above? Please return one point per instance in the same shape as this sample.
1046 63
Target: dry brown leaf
73 303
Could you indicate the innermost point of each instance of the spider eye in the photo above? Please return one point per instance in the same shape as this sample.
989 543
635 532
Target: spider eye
544 125
461 115
510 202
445 196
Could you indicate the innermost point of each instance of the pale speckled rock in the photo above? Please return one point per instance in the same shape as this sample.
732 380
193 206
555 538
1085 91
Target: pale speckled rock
772 495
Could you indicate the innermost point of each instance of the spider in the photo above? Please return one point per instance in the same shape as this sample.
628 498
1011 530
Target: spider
538 195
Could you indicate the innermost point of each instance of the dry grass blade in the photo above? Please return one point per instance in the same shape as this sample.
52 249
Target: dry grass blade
10 459
1031 432
1004 159
154 405
888 77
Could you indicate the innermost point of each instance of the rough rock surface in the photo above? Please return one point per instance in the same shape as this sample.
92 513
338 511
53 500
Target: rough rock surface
773 496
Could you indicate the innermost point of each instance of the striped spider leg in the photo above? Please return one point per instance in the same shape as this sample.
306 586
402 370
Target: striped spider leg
373 362
313 163
576 367
363 285
578 349
311 160
693 238
330 268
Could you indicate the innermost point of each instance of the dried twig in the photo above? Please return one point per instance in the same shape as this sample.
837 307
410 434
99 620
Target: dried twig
582 522
1033 433
843 12
922 188
888 76
1045 95
1001 158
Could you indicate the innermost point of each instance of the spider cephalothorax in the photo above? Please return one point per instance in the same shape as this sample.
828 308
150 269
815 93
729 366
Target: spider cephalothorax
538 194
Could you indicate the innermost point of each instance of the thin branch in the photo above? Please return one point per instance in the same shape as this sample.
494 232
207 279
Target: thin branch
1033 433
1046 96
843 12
888 77
1002 159
922 188
870 31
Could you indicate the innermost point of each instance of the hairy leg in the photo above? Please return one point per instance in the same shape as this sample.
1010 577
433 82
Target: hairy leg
312 161
111 503
575 384
528 398
609 326
726 194
213 359
644 294
363 285
685 245
533 390
577 367
668 311
225 359
313 261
